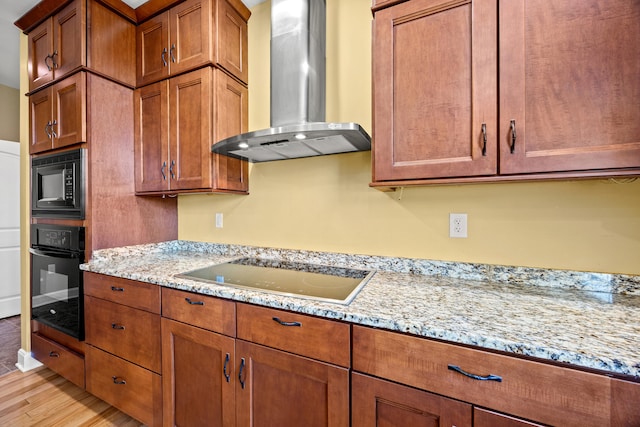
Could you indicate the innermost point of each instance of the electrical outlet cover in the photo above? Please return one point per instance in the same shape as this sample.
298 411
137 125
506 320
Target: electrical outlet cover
458 225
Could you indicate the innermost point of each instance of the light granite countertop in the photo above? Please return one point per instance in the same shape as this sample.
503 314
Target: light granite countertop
589 320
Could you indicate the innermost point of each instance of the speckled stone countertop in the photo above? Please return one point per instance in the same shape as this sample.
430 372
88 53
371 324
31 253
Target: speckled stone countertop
590 320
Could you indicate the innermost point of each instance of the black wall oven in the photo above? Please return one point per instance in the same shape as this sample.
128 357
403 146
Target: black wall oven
56 280
57 185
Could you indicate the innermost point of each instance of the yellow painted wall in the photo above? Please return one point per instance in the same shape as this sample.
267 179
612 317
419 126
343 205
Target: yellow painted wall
9 113
25 189
325 203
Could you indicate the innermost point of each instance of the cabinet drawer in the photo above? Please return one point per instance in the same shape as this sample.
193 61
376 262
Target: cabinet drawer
130 388
206 312
145 296
309 336
124 331
59 358
532 390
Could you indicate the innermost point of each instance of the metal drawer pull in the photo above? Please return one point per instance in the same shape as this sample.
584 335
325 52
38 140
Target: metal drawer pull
171 53
484 139
287 323
240 377
162 169
194 302
118 380
474 376
116 326
163 55
513 136
49 67
47 129
224 369
53 132
53 354
115 289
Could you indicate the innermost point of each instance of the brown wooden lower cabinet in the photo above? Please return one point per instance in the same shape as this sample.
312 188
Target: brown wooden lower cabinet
58 358
276 388
198 376
376 402
486 418
129 387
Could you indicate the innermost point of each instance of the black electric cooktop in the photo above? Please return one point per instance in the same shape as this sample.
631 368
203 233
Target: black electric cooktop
318 282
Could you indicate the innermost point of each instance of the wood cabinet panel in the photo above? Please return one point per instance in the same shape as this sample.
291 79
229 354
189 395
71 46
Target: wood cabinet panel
40 64
192 34
278 388
126 332
382 403
141 295
206 312
69 38
175 126
60 359
568 78
58 114
435 87
130 388
485 418
198 376
536 391
309 336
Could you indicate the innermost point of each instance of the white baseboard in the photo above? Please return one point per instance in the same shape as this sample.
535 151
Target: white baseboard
26 362
9 306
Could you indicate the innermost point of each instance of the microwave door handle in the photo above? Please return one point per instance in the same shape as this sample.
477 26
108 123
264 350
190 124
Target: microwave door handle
54 253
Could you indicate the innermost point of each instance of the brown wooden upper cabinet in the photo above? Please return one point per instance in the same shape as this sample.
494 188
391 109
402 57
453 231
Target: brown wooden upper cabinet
568 84
193 34
176 121
84 33
58 114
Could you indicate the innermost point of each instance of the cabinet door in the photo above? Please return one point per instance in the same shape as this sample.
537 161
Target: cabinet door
198 376
151 47
69 34
569 81
275 388
190 130
231 41
69 111
151 131
435 90
230 118
40 63
40 109
190 35
382 403
486 418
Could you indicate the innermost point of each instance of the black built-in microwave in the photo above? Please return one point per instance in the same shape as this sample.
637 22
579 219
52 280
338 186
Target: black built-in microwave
57 185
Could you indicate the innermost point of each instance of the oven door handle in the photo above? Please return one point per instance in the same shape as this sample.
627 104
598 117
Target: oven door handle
54 253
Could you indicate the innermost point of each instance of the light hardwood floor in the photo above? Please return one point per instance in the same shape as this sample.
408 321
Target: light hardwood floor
43 398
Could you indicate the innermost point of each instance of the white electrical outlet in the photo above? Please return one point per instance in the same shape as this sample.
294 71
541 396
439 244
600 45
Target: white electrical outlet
218 220
458 225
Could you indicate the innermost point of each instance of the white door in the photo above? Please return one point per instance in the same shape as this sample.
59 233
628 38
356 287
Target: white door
10 229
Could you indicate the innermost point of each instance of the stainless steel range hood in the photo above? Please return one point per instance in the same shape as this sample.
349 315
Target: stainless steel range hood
298 127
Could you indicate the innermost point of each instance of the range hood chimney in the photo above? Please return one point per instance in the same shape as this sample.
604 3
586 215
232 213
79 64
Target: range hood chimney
298 127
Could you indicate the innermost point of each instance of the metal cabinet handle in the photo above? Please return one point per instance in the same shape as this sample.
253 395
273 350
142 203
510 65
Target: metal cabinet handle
190 301
172 53
118 380
162 169
241 372
54 354
53 132
53 59
116 289
47 129
287 323
513 136
163 55
117 326
224 368
172 172
46 58
484 139
474 376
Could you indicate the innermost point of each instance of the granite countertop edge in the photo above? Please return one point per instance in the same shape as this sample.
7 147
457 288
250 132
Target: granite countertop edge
389 302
